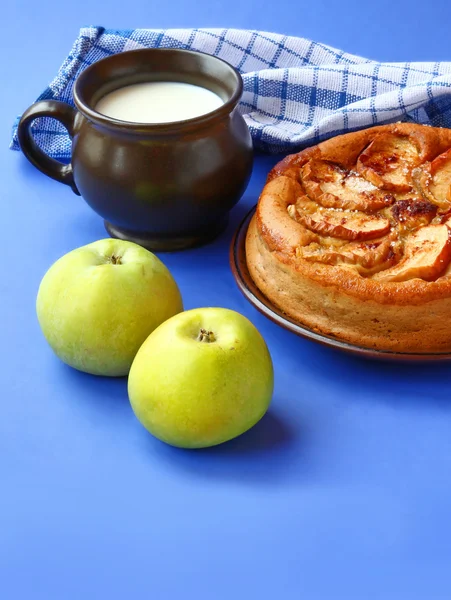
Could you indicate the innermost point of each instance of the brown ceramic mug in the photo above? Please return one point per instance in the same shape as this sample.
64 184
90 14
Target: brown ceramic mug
165 186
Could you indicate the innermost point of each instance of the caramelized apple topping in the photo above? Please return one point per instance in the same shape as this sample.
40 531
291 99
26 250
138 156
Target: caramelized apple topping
388 217
333 187
344 224
427 253
388 161
368 257
412 213
433 180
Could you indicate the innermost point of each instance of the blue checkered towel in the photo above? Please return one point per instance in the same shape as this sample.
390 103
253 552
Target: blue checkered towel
296 92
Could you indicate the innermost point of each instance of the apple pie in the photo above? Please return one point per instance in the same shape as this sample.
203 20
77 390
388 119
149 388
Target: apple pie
352 238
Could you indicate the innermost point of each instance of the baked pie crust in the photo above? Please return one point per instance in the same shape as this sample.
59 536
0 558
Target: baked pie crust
352 238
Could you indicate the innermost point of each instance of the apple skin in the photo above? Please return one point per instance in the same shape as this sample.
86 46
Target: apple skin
97 304
193 394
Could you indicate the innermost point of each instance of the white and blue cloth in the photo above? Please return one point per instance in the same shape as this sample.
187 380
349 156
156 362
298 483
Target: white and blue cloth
296 92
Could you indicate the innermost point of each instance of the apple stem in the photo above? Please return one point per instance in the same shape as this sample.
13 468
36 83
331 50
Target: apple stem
115 260
206 336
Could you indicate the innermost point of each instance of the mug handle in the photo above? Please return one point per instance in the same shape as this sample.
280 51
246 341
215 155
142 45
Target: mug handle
63 113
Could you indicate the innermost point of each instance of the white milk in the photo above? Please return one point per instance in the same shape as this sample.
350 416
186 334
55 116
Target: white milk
158 102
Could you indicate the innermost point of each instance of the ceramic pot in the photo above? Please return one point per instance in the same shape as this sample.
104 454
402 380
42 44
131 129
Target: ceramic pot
165 186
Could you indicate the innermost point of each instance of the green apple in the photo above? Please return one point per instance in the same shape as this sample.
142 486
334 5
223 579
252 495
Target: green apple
201 378
97 304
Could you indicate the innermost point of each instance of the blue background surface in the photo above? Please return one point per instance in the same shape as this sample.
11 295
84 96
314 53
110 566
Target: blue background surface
342 491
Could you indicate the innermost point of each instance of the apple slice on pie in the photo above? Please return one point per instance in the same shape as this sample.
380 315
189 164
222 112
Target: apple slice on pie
433 180
427 253
334 187
388 161
411 213
343 224
368 257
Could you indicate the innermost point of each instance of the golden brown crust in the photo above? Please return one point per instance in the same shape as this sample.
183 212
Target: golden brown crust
320 266
345 149
423 328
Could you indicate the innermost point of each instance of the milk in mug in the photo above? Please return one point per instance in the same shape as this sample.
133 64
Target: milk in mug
158 102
